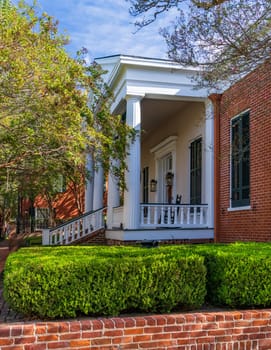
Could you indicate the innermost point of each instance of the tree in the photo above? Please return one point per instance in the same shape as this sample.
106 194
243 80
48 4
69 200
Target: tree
224 38
53 108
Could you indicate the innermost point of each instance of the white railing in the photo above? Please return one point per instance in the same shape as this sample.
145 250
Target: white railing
75 229
173 215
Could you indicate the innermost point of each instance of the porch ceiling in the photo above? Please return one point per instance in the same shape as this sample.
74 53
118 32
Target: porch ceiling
155 111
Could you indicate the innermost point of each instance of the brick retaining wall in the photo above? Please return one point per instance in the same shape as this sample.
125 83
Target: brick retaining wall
238 330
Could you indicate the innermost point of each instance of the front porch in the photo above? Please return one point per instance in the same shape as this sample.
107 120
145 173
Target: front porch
164 222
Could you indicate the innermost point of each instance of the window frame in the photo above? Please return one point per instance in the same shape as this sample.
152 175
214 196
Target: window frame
243 202
196 170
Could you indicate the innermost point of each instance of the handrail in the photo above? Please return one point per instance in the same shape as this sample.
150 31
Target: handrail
75 229
175 204
75 219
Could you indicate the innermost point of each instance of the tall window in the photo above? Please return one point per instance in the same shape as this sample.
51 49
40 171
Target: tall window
195 171
145 185
240 158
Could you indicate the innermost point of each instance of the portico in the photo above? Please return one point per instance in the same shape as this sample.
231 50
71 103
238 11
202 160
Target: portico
173 149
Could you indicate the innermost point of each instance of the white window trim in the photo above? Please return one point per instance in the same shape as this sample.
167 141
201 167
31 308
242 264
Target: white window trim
247 207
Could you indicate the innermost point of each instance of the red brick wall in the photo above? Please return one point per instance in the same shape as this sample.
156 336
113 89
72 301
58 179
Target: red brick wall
253 93
67 205
240 330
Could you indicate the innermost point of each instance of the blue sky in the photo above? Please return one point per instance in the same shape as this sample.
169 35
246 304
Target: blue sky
105 28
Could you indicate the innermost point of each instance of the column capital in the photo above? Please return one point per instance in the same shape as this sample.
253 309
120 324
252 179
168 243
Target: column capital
133 111
135 98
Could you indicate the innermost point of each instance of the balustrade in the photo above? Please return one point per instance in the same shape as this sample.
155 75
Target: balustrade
74 230
173 215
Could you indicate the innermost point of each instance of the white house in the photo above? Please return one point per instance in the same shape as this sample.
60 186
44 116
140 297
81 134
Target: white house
170 177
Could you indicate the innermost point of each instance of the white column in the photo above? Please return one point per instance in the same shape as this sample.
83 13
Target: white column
132 175
98 191
89 184
209 160
113 197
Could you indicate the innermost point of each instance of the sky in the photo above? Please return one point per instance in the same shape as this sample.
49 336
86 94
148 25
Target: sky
105 27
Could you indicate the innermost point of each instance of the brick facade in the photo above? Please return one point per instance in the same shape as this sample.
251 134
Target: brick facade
252 93
247 330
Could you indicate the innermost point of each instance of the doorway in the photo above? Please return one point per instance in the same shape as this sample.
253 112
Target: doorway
165 192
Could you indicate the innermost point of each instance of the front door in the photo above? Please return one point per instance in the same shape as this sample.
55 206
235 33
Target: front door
165 167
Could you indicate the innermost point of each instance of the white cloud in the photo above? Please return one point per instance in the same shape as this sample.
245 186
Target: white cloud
105 27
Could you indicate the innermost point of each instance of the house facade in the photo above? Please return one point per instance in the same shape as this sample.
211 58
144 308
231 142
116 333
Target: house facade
199 169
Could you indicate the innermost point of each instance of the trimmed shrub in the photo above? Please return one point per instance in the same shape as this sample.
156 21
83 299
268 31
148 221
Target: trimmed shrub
238 275
70 281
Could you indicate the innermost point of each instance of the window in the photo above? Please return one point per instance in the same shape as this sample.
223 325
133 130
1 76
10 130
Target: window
195 171
145 189
240 159
146 185
42 218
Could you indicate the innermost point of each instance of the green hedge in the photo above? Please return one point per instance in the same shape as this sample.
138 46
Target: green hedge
238 275
71 281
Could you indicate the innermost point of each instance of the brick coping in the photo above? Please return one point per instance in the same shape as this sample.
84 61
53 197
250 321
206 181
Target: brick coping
218 330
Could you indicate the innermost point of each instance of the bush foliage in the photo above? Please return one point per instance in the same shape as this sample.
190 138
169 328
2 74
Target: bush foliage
71 281
239 275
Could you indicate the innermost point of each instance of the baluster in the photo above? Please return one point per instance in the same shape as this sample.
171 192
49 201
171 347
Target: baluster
175 215
65 235
142 214
94 222
60 236
162 215
83 226
182 215
201 216
77 229
195 216
68 233
188 216
98 220
80 227
77 225
73 232
168 215
148 215
68 229
155 219
89 224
